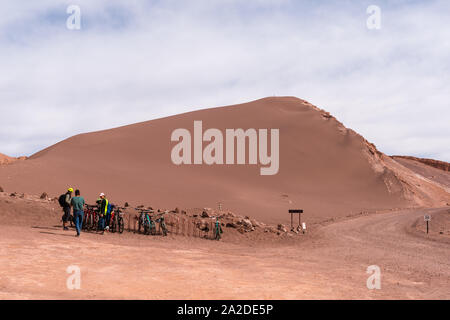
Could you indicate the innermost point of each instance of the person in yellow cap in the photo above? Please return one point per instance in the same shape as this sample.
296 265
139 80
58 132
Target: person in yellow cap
66 207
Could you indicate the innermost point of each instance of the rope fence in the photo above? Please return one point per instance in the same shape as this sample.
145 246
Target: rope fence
177 224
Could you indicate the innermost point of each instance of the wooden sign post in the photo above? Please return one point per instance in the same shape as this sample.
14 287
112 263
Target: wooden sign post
292 212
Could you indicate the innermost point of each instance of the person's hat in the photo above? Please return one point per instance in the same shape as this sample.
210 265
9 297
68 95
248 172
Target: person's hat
70 189
102 194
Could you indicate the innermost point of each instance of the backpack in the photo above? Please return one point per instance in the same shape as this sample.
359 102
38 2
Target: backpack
110 208
62 200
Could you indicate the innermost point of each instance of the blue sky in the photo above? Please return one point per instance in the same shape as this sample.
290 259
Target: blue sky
139 60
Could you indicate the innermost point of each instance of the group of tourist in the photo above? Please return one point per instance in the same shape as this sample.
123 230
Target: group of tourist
76 204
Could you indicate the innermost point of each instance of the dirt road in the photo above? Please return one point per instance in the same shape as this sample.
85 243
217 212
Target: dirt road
330 262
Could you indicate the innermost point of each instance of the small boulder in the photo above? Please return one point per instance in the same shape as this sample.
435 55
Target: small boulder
228 215
247 223
244 225
208 211
231 225
1 189
126 205
282 228
44 196
203 226
270 229
256 223
205 214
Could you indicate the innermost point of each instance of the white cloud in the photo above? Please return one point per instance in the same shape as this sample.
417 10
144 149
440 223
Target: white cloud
150 59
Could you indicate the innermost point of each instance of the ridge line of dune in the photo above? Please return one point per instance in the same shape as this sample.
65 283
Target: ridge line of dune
439 164
409 186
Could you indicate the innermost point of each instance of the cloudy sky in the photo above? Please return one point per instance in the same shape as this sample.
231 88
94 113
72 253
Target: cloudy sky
138 60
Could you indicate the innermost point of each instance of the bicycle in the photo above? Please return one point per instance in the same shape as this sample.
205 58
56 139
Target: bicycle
162 223
217 230
90 220
117 222
145 221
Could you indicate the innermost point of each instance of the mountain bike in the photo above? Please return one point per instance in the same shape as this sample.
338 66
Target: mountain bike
90 221
117 222
145 221
162 223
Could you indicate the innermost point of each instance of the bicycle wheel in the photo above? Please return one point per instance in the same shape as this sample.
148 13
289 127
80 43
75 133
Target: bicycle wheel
113 225
88 222
147 225
95 223
120 224
141 223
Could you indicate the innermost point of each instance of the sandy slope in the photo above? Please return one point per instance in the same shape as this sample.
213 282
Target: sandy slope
434 174
442 165
326 169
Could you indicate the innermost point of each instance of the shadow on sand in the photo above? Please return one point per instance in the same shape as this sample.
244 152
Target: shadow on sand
58 234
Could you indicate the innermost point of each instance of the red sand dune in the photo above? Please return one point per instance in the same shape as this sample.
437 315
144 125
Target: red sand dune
325 168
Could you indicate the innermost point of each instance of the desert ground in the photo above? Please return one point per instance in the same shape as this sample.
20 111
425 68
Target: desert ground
361 208
328 262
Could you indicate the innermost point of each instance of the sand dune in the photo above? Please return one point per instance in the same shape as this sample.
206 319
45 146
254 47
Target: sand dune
325 168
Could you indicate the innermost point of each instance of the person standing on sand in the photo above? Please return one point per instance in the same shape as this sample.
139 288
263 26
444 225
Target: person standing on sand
78 212
109 209
66 207
102 212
